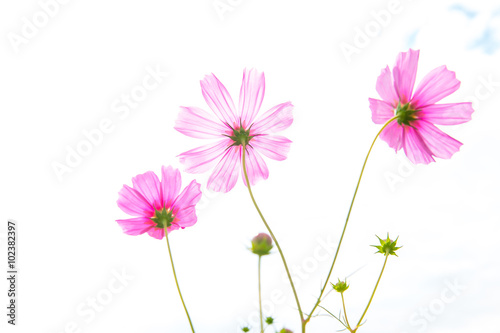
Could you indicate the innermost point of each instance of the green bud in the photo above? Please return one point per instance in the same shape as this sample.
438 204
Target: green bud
262 244
387 246
269 320
284 330
340 286
245 329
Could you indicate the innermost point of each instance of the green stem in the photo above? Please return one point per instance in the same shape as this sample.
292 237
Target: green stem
374 289
345 312
346 221
176 282
272 236
260 302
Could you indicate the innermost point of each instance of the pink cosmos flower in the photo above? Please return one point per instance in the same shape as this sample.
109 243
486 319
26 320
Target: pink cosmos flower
232 128
158 204
414 130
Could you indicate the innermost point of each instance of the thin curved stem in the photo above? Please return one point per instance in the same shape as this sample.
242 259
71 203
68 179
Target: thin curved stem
176 282
272 236
345 312
260 302
347 220
374 289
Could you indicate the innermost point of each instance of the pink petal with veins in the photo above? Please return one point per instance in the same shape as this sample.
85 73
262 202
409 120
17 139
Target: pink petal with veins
225 174
447 114
277 119
251 95
256 167
133 203
188 197
197 123
405 72
435 86
136 226
439 143
381 111
273 146
415 148
170 184
219 100
393 135
385 87
204 158
148 185
187 217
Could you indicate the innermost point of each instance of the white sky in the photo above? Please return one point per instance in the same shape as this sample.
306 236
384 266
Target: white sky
66 77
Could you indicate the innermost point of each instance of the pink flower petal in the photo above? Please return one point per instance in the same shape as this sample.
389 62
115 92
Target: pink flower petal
393 135
385 87
439 143
134 203
381 111
414 146
256 167
203 158
188 197
187 217
219 100
272 146
197 123
136 226
225 174
447 114
435 86
251 95
149 186
172 228
157 233
170 184
405 72
275 120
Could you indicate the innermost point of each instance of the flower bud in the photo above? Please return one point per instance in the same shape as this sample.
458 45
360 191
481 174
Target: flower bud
387 246
245 329
284 330
269 320
340 286
262 244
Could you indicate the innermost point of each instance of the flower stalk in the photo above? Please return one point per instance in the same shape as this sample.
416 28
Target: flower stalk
347 221
177 282
273 237
373 294
260 301
345 312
